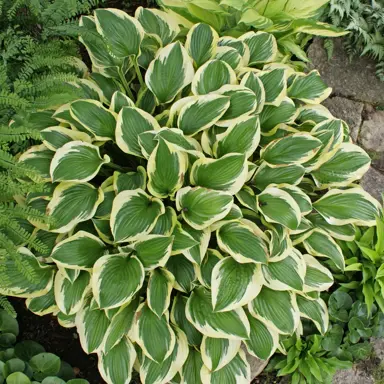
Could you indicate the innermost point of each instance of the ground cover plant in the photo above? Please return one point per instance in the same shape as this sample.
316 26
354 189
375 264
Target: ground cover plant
27 362
192 198
292 22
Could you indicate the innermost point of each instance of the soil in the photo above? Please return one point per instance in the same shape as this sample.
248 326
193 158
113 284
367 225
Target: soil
58 340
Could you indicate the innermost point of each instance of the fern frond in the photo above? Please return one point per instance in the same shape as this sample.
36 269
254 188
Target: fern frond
17 135
7 306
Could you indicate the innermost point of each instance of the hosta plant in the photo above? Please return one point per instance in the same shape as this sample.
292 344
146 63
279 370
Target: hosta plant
192 200
292 22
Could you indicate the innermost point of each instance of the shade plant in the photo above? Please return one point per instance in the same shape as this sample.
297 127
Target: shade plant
192 198
292 22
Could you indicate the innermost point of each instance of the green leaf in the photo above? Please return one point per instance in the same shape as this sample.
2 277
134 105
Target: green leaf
286 274
76 161
275 85
159 23
192 367
309 88
266 175
242 242
227 174
231 324
212 76
55 137
315 310
276 309
335 207
178 317
243 102
130 180
317 277
183 271
14 281
217 353
201 43
347 165
202 113
201 207
71 204
253 82
69 295
132 122
297 148
237 371
243 137
263 341
120 325
25 350
166 169
92 324
119 101
44 365
197 253
160 342
319 243
79 251
172 63
153 372
204 270
95 118
271 116
134 214
116 279
18 378
116 365
122 33
154 250
278 206
234 285
159 290
262 47
38 158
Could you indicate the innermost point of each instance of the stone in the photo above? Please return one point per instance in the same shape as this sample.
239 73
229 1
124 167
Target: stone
257 365
348 110
373 182
354 79
352 376
371 138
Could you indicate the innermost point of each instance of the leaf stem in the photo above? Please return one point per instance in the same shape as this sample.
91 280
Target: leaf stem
138 73
126 85
116 167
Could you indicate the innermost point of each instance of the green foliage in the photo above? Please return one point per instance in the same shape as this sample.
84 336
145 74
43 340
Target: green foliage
195 190
306 361
365 21
314 358
27 362
364 260
292 22
37 64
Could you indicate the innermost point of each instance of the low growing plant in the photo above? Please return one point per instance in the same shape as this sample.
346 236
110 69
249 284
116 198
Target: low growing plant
314 358
364 273
27 362
292 22
193 197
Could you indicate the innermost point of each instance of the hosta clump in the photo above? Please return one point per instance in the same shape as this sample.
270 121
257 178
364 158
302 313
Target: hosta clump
191 206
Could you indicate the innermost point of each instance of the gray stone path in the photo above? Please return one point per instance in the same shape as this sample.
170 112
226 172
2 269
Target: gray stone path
357 98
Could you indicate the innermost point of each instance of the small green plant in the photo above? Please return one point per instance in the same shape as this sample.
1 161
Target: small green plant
292 22
193 196
365 21
27 362
306 361
315 358
364 272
